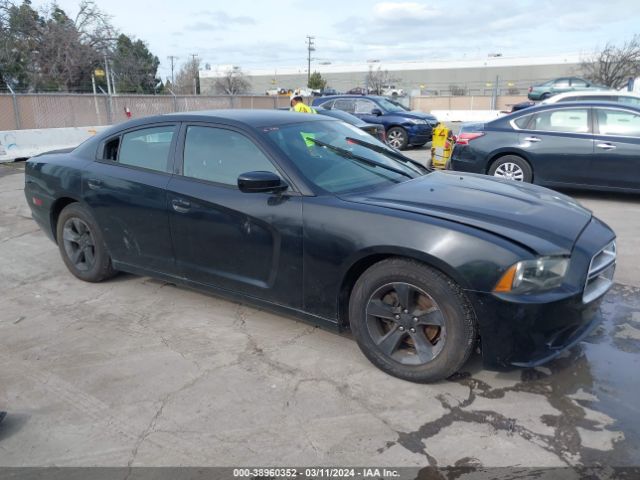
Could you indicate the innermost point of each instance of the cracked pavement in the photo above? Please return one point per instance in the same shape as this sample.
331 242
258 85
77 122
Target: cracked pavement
138 372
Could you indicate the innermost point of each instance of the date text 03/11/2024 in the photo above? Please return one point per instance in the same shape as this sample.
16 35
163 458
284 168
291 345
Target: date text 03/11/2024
320 472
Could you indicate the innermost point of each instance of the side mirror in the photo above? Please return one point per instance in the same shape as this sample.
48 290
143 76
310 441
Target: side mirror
376 111
255 182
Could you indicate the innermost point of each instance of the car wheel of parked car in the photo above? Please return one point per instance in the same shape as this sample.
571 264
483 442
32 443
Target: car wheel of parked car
412 321
397 138
82 246
512 167
545 95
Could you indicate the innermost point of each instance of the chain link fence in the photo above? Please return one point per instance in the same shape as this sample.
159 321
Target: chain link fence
34 111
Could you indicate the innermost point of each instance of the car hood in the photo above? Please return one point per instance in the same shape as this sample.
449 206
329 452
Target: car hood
539 219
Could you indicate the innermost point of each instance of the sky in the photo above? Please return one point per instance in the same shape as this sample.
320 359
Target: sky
273 34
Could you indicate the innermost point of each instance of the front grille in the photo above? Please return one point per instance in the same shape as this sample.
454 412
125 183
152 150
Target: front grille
600 275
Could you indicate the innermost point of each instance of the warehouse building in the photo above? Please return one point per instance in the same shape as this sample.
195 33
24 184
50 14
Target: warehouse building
511 75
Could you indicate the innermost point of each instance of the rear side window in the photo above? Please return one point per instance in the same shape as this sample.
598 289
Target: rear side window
147 148
221 156
346 105
326 105
618 122
364 106
566 120
578 82
522 122
561 82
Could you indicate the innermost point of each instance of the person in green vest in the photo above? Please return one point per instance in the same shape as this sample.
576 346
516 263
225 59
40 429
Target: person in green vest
298 105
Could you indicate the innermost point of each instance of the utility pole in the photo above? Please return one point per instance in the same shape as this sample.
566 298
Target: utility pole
172 58
195 73
310 48
108 73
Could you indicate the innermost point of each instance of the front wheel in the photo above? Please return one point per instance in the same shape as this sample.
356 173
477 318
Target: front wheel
411 321
512 167
82 246
397 137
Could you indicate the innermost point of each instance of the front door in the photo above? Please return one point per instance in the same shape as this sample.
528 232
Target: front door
250 243
616 160
560 143
126 191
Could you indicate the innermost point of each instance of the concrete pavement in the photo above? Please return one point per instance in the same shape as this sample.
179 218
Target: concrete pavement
138 372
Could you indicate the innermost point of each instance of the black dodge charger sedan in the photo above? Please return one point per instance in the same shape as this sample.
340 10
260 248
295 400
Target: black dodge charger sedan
586 145
313 217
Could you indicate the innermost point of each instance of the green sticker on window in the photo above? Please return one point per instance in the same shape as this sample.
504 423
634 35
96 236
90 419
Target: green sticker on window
308 138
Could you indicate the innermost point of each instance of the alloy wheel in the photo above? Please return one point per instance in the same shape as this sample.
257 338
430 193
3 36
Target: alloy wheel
79 244
509 171
405 323
395 138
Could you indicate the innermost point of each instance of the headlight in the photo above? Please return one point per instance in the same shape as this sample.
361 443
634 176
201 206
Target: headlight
533 275
417 121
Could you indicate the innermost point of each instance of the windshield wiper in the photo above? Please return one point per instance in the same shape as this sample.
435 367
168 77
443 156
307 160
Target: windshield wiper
387 152
352 156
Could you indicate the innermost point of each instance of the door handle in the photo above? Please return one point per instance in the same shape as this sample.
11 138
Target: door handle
533 139
605 146
180 205
94 183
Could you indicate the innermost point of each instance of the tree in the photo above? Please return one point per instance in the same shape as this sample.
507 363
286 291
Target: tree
64 62
233 82
377 80
316 82
20 35
187 78
134 66
613 66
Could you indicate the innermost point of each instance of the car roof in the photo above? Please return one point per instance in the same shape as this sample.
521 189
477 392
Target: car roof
354 95
250 117
587 93
553 106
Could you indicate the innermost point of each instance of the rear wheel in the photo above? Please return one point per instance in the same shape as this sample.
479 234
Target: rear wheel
512 167
82 246
411 321
397 137
545 95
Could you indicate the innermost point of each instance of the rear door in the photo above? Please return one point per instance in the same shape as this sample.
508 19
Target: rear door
345 104
125 189
559 144
250 243
617 148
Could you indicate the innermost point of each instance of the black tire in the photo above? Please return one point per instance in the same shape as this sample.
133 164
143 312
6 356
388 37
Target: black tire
512 167
82 246
397 137
544 96
449 345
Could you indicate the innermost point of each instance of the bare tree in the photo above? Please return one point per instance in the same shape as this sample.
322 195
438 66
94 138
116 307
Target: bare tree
187 77
234 82
613 66
378 79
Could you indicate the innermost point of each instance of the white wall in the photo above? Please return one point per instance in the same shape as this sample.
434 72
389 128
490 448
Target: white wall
27 143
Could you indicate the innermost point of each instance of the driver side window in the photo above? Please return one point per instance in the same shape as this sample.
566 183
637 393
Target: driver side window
219 155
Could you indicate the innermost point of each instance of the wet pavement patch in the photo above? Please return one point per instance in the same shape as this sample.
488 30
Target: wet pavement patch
591 415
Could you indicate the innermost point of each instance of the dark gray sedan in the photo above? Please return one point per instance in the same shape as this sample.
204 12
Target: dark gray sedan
593 145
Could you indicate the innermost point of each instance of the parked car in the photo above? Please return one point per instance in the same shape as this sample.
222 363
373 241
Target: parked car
357 91
306 215
561 85
392 91
327 91
626 98
594 145
374 129
403 127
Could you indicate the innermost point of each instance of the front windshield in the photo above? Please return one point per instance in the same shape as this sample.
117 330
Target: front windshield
391 106
341 165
